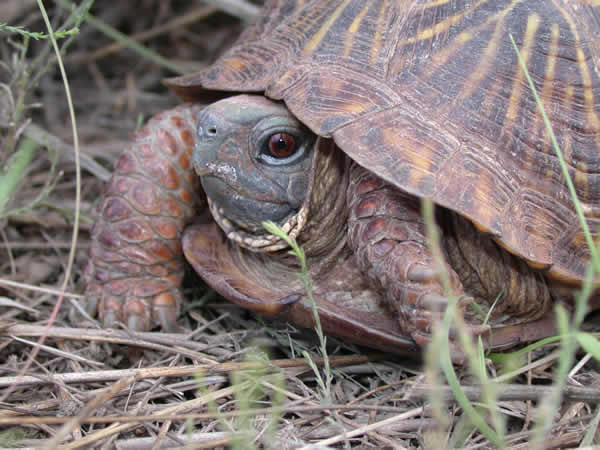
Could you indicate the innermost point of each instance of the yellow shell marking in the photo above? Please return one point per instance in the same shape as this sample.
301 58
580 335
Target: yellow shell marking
440 58
581 180
418 153
236 64
548 81
567 145
435 4
320 35
592 2
586 79
486 62
354 29
381 22
533 21
443 26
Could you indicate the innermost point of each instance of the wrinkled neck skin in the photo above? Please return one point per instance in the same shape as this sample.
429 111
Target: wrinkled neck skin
321 229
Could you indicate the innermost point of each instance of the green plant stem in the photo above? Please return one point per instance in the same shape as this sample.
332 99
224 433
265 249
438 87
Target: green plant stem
546 410
36 35
588 439
561 160
15 171
442 338
298 252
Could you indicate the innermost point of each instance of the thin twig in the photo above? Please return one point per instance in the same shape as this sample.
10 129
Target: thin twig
178 23
160 416
178 371
238 8
180 408
86 411
65 150
59 353
507 392
373 426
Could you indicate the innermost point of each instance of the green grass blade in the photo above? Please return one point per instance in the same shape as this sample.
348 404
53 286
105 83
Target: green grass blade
563 165
588 439
298 252
589 343
15 171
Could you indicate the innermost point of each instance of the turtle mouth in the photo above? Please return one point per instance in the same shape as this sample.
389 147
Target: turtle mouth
257 242
246 211
216 183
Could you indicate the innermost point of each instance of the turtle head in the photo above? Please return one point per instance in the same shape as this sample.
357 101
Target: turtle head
254 159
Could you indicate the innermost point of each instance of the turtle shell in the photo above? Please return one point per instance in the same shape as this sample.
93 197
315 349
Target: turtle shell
430 96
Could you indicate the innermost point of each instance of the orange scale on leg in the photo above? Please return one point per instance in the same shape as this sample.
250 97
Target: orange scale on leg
138 255
159 249
145 151
172 208
126 164
134 230
187 137
375 227
159 271
165 227
191 178
163 171
186 196
177 122
167 143
369 183
145 198
148 288
184 161
116 209
366 208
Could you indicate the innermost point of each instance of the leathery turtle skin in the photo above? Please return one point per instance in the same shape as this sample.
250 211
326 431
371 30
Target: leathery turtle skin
342 116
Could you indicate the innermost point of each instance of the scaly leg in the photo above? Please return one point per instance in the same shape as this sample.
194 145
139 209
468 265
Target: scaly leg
387 234
135 265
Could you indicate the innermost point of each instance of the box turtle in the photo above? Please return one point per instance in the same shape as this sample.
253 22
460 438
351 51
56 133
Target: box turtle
334 119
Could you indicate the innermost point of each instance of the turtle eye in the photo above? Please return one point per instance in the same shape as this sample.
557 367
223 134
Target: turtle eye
282 148
281 145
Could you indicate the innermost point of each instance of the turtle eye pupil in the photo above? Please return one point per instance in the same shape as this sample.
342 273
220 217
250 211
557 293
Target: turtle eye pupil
282 145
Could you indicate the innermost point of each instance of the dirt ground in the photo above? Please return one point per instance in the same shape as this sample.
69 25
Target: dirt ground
214 386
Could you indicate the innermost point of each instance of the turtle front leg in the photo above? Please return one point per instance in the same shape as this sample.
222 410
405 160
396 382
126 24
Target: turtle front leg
135 265
387 234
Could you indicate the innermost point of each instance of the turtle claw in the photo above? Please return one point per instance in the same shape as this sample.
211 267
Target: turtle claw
420 273
429 313
136 303
433 302
425 323
142 314
136 323
91 305
164 311
457 356
110 319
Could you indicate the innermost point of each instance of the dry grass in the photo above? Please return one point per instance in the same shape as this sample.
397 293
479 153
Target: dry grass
210 387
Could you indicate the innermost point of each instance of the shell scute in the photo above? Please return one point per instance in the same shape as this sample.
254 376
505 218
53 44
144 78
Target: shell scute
430 96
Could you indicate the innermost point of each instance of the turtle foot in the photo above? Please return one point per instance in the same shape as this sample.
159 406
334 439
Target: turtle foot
137 304
428 316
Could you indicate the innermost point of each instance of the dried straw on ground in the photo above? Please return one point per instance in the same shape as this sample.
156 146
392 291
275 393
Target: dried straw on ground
214 386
